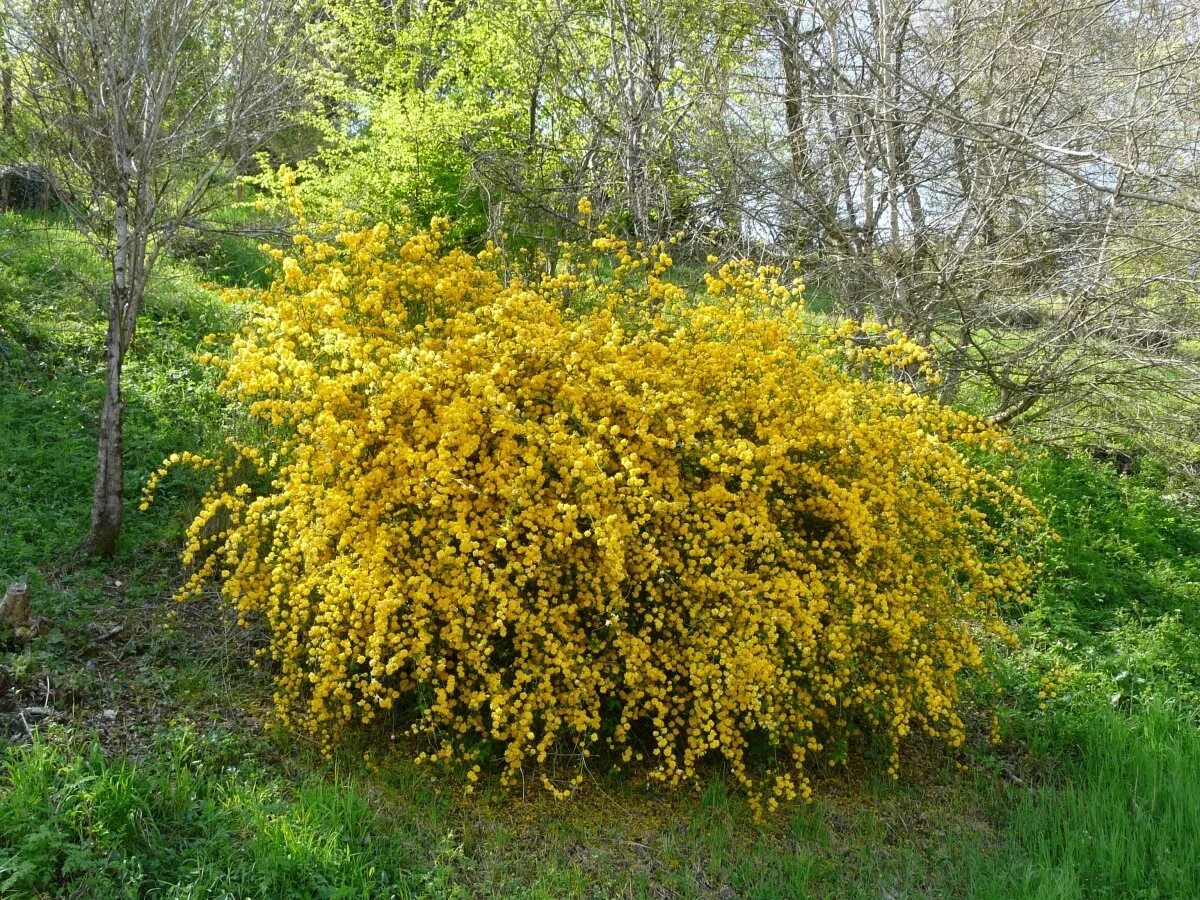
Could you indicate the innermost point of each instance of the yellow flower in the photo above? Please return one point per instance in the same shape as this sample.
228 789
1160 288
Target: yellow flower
668 519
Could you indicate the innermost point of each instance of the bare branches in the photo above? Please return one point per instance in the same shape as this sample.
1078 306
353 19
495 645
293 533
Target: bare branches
955 159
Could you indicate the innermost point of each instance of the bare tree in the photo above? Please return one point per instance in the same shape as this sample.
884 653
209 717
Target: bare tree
140 108
1015 184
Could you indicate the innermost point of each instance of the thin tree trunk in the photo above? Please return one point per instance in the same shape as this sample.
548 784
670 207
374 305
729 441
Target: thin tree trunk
125 294
632 122
6 122
108 495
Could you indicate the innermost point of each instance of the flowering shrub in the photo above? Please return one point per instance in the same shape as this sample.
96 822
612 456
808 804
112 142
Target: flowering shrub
569 511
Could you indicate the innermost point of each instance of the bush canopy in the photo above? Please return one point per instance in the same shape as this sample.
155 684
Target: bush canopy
589 510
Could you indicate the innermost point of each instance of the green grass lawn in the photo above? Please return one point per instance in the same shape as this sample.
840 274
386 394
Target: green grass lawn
135 761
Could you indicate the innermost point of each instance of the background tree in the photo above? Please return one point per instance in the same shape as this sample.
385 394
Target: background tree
502 114
1015 183
138 109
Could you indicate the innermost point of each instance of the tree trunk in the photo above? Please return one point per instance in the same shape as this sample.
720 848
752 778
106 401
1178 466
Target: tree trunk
635 109
6 123
125 294
108 496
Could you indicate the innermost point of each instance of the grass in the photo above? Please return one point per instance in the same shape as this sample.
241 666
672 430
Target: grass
1117 614
51 360
137 763
197 817
1121 823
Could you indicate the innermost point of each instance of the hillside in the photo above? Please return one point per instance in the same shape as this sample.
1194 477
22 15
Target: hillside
136 761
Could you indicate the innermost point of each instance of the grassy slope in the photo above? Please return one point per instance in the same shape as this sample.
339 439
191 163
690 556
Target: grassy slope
152 776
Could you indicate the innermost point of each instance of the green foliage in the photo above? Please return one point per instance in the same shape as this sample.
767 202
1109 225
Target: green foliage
421 99
1114 816
501 114
193 817
409 162
1103 695
1118 610
225 250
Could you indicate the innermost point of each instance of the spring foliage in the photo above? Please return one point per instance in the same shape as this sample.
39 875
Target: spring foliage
575 513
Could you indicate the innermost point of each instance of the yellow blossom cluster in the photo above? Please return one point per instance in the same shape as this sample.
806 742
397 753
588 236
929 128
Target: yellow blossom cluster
584 207
566 511
1049 686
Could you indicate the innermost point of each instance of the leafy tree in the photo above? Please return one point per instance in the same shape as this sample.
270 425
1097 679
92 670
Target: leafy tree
505 113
